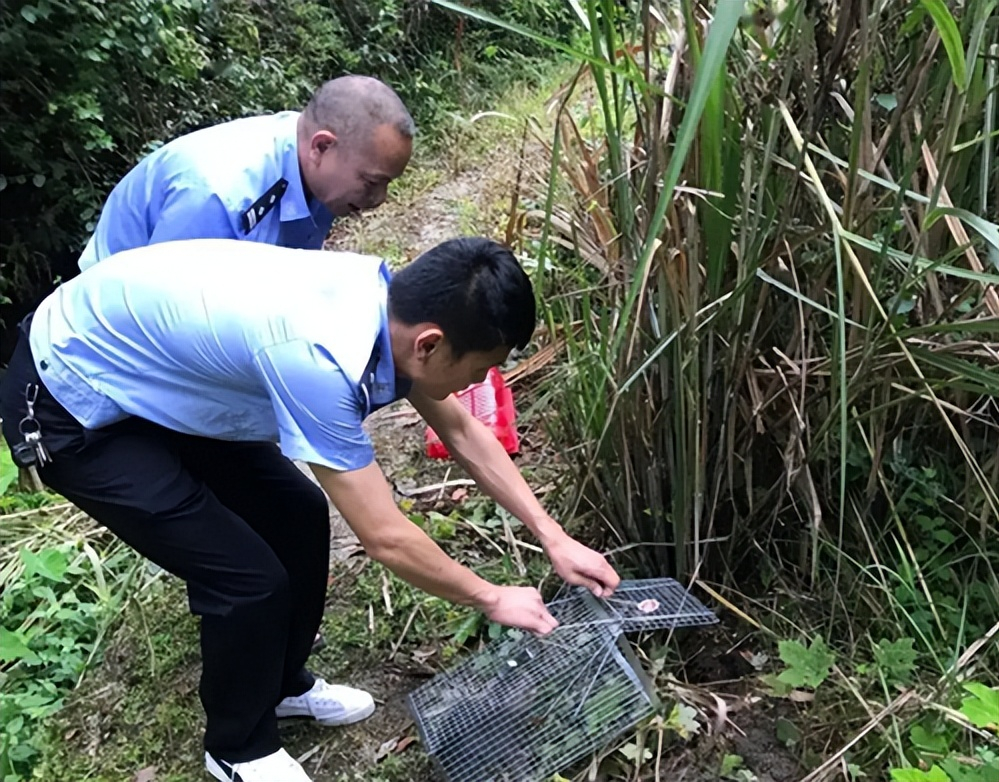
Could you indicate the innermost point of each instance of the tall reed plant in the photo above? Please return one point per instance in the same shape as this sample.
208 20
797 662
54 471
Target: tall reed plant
767 239
774 225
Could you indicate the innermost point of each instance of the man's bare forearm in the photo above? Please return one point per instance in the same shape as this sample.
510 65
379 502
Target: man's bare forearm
484 458
364 499
416 559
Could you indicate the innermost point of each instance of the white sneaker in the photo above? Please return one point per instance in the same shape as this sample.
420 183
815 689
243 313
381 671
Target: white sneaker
329 704
277 767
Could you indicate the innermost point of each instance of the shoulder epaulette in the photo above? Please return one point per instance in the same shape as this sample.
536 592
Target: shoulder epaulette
258 209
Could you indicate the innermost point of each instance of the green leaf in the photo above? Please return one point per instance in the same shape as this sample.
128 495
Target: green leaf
469 627
922 739
989 231
14 726
969 771
806 666
13 648
730 764
982 708
50 563
38 180
896 659
631 752
912 22
787 732
30 13
8 470
923 264
935 774
946 537
683 720
951 38
886 101
801 297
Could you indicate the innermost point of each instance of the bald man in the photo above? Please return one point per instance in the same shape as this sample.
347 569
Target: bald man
279 179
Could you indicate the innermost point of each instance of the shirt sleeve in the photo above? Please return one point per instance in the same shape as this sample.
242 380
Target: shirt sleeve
318 411
192 212
189 211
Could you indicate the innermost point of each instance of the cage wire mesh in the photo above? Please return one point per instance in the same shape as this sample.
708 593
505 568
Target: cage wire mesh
526 707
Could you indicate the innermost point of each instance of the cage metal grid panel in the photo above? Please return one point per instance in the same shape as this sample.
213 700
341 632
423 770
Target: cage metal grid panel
649 604
526 707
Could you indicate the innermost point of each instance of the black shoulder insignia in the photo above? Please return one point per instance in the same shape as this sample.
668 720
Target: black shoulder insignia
259 209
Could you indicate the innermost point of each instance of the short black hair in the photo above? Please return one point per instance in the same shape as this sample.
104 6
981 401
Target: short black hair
473 288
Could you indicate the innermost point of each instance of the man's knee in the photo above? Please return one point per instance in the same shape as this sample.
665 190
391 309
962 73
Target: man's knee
255 587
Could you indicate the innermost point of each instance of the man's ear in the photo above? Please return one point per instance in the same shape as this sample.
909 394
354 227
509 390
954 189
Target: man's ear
428 341
320 143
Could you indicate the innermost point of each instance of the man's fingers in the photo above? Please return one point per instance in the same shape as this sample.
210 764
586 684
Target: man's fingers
607 578
600 584
594 586
545 624
547 621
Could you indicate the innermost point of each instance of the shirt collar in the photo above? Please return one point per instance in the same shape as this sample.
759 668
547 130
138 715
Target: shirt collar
382 385
293 205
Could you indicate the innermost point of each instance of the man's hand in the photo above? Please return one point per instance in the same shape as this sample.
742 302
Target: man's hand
582 566
520 607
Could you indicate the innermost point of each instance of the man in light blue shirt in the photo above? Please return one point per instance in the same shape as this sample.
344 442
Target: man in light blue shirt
279 179
170 386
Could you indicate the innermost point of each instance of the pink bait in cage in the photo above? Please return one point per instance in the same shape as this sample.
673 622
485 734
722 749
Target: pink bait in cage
648 606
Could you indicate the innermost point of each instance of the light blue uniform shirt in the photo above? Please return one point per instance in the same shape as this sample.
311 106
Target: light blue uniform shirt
229 340
221 182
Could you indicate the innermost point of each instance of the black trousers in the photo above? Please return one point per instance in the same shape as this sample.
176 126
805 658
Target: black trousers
238 522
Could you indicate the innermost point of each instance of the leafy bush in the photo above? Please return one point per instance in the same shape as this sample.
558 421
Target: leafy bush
55 605
940 748
97 85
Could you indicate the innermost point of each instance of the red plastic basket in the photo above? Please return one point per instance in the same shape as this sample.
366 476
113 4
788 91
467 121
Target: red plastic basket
491 402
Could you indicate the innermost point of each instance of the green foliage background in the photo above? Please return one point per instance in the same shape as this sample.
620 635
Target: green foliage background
90 86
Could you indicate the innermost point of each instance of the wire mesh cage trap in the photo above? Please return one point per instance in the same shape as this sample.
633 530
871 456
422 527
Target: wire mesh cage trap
526 707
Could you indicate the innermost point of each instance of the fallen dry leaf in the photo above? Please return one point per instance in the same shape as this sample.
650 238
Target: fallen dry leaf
758 661
386 749
147 774
403 743
459 494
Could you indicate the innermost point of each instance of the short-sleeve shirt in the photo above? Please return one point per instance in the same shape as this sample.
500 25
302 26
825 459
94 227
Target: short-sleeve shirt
228 340
237 180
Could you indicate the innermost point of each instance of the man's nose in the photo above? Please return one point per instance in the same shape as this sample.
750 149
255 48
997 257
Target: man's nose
378 197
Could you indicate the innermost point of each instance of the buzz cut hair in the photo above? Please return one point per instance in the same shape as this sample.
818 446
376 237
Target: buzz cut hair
351 107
